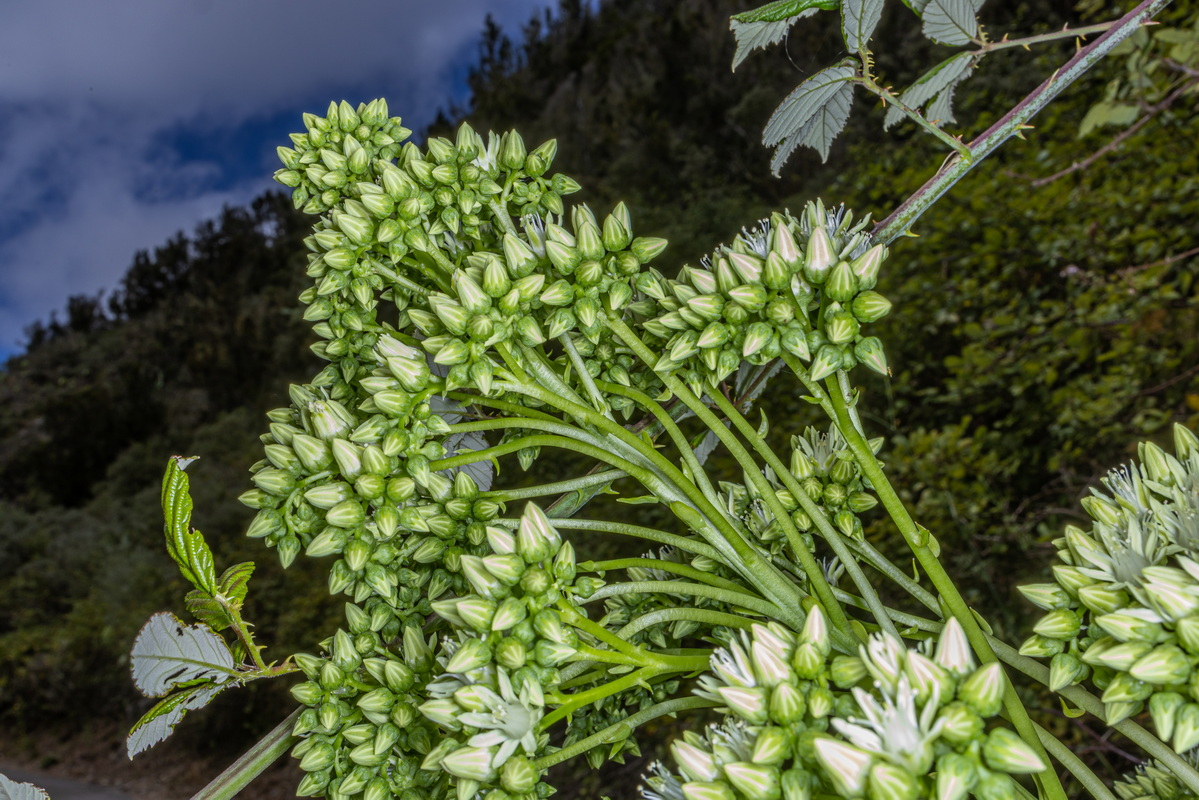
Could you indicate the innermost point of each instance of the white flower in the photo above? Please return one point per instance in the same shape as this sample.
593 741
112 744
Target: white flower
893 729
509 721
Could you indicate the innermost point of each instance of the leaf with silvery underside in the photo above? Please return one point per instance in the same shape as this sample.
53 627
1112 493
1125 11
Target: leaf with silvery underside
825 123
859 18
482 472
159 722
768 24
11 790
937 82
169 654
185 545
802 104
951 21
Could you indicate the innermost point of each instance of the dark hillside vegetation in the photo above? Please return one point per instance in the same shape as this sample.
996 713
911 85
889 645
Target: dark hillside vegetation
1038 332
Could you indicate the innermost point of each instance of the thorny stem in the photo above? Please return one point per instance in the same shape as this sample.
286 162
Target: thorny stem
868 83
1013 123
1041 38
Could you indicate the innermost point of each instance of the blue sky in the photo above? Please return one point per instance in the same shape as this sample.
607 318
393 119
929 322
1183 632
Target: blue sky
124 121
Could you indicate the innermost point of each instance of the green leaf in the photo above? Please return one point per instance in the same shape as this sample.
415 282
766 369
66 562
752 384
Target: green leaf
859 18
768 25
11 790
937 82
802 104
951 21
1107 113
812 115
233 583
186 546
159 722
785 9
640 500
169 654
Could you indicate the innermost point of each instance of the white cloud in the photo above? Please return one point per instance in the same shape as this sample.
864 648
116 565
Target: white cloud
88 90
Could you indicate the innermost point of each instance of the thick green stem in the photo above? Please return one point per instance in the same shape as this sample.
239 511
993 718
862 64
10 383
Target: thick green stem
1081 772
672 430
674 486
597 399
739 599
624 529
264 753
686 570
811 568
704 616
541 490
620 730
500 214
918 539
814 512
500 405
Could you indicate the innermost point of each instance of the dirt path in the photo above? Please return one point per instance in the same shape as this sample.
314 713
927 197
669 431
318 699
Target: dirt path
61 788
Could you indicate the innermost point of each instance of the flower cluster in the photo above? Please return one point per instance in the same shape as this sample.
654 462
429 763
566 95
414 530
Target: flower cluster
913 724
1152 781
1124 607
804 287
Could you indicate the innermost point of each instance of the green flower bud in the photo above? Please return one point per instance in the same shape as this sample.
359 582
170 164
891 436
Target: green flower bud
847 766
1004 751
1162 666
1102 599
959 724
308 694
511 611
1066 670
615 235
820 257
748 703
847 671
826 362
1126 689
869 351
318 758
1186 728
751 297
866 266
1047 596
704 790
1070 578
754 781
1060 624
841 285
519 775
870 307
472 654
1126 626
551 654
983 690
1037 646
647 248
891 782
330 541
346 514
274 481
772 747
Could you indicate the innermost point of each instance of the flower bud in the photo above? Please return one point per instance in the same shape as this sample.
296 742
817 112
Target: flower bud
754 781
846 765
891 782
983 690
1066 669
1004 751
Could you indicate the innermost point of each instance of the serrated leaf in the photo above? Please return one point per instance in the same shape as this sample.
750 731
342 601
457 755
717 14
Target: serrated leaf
185 545
820 131
482 472
768 24
916 5
802 104
936 81
11 790
859 18
159 722
951 21
168 654
208 610
234 583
